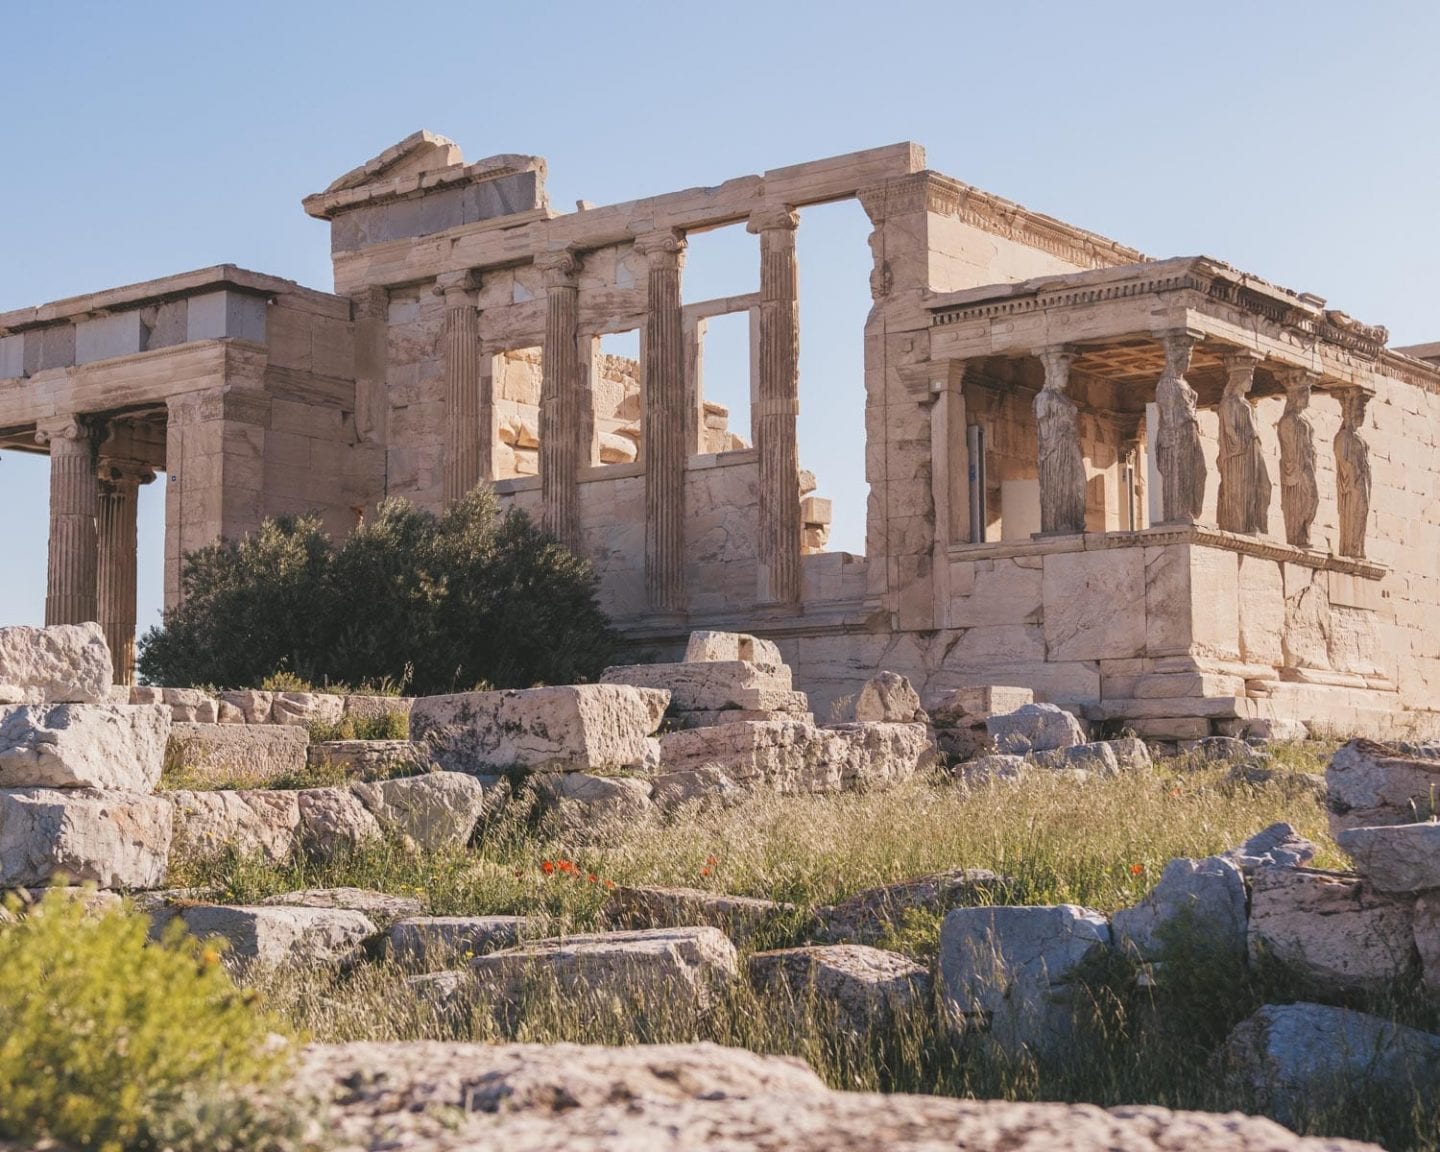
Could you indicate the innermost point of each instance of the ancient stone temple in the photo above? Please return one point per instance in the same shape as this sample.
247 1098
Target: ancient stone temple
1165 492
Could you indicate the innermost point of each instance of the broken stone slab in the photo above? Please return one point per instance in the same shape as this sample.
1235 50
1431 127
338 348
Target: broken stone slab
252 704
375 707
306 708
381 907
1011 971
996 768
1291 1061
688 966
433 811
1197 905
1096 758
737 715
739 917
1397 857
334 822
966 707
1131 753
705 786
362 758
1278 845
110 839
120 747
1372 784
1330 928
890 698
254 753
186 705
581 728
869 916
1264 730
1034 728
712 686
712 647
1222 750
60 664
276 934
432 941
963 743
250 823
591 808
863 987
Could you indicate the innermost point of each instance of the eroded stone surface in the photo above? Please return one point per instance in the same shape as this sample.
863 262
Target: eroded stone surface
381 907
1278 845
110 746
709 686
111 839
259 823
705 647
334 821
361 758
215 752
870 915
431 940
436 810
890 698
276 934
61 664
1198 904
591 806
1397 858
1034 728
1373 784
862 986
739 917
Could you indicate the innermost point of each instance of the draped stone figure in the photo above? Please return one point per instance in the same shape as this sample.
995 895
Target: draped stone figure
1244 503
1062 466
1352 473
1178 450
1299 496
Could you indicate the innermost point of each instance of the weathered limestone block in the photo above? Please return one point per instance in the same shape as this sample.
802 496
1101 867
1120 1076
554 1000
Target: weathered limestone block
186 705
381 907
361 758
253 704
1376 784
258 823
333 822
705 647
997 768
1098 758
862 986
1279 845
1397 858
966 706
428 941
709 686
109 746
436 810
61 664
1330 928
588 727
1034 728
1221 750
1131 753
703 786
680 964
1198 904
870 915
374 707
889 697
788 710
253 752
1427 938
273 934
1294 1059
110 839
303 708
1012 969
591 806
739 917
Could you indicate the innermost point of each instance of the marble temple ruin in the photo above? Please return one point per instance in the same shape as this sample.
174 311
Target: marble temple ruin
1166 493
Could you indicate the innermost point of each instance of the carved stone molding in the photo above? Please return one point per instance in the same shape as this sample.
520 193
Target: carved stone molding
560 267
773 217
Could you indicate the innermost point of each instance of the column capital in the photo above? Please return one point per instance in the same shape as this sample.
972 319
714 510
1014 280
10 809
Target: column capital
1179 343
1297 383
1057 359
773 218
1353 401
70 427
560 266
458 288
119 473
663 247
1240 365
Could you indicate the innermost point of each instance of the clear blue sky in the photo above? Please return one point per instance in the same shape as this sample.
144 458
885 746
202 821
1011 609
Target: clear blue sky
1298 141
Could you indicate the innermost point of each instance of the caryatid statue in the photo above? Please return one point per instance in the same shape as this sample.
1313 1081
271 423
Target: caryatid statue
1299 496
1062 466
1244 504
1352 472
1178 450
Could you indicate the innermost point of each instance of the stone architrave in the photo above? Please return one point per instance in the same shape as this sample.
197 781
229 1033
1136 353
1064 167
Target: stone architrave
117 508
1352 472
1178 449
460 356
664 429
1062 465
1244 504
70 595
1299 496
560 398
778 406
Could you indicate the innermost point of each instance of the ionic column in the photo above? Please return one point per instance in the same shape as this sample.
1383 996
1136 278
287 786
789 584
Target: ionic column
1299 493
777 406
1062 464
560 398
1352 472
70 577
1244 503
117 505
665 420
460 360
1178 450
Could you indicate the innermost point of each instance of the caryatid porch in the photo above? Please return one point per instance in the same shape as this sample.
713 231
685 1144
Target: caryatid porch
1146 436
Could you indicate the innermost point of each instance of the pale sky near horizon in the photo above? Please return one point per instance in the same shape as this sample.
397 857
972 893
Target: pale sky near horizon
1296 141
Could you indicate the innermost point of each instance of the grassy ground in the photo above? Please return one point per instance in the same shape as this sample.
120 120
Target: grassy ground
1101 843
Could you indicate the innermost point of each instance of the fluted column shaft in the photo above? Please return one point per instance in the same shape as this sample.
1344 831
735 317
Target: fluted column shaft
70 596
560 399
665 420
777 406
118 503
460 358
1061 461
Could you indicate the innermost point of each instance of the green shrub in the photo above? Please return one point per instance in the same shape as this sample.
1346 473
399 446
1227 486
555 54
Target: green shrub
105 1035
438 602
